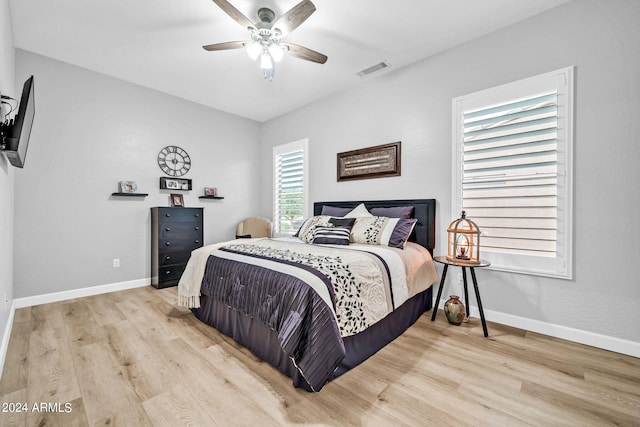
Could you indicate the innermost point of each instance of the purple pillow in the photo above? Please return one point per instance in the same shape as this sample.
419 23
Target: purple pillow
401 232
393 212
334 211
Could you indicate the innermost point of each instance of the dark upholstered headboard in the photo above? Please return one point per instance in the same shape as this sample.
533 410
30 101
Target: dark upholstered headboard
424 232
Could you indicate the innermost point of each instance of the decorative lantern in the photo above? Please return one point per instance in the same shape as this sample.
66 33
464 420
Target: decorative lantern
464 241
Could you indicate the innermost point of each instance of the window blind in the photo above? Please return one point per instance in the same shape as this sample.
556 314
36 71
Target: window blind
289 190
509 183
512 172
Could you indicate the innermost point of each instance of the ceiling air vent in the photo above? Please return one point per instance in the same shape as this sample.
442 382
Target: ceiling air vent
373 69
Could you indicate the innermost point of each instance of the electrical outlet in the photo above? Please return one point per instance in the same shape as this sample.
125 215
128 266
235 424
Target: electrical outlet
116 262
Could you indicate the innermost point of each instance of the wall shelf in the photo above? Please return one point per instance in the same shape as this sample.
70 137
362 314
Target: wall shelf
180 184
130 194
211 197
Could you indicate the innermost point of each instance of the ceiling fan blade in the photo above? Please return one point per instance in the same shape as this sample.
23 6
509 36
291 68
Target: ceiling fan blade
294 17
224 46
234 13
305 53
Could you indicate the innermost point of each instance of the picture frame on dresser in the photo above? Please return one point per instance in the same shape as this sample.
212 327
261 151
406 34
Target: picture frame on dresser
177 200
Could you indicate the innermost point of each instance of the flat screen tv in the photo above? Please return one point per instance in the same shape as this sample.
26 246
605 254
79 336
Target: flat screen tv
16 132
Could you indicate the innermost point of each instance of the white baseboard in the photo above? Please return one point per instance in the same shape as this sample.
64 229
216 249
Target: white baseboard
60 296
5 337
605 342
79 293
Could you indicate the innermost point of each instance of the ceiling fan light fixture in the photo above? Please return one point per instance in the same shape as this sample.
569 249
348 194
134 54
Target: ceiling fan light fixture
253 49
269 73
276 52
266 36
266 62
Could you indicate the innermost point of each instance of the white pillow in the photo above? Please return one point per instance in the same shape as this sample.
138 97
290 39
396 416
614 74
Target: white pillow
358 212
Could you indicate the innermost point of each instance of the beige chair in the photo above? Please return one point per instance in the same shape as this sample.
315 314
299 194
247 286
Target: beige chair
255 226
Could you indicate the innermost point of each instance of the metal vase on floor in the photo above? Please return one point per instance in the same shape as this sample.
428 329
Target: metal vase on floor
455 310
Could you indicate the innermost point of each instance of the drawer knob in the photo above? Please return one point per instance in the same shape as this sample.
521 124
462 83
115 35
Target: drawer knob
168 228
168 272
167 214
197 228
197 241
167 258
168 243
197 215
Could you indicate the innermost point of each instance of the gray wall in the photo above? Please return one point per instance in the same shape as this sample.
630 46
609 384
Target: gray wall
7 87
92 131
413 105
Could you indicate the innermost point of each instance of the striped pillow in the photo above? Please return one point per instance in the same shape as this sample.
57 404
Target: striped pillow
331 236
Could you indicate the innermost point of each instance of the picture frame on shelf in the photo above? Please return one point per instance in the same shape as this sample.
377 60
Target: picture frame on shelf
177 200
181 184
211 193
128 187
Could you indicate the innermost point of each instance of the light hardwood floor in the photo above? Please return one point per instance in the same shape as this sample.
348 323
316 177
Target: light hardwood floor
134 358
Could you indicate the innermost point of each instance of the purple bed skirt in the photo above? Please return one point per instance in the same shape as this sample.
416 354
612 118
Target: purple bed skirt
263 341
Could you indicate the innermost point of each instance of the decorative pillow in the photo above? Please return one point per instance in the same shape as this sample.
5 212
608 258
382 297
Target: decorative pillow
359 212
343 222
401 232
394 212
331 235
378 230
334 211
305 233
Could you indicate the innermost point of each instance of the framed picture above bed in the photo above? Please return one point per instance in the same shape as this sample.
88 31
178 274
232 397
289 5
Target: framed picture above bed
372 162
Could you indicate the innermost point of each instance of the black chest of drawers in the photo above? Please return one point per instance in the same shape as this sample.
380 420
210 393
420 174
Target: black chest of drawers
175 232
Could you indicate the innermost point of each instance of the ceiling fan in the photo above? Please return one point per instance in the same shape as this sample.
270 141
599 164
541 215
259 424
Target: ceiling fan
266 35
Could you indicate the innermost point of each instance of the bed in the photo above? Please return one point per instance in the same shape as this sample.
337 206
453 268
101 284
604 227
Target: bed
315 311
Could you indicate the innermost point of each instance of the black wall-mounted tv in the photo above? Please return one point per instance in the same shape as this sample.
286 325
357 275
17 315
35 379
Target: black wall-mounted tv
14 134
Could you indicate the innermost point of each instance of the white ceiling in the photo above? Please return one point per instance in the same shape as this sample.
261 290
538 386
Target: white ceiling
158 43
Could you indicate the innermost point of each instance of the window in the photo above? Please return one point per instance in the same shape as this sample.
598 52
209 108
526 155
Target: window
513 169
289 186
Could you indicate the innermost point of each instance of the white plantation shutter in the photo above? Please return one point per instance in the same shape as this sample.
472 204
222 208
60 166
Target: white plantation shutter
513 160
289 186
510 174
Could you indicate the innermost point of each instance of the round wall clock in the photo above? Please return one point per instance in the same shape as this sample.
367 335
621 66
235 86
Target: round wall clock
174 161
